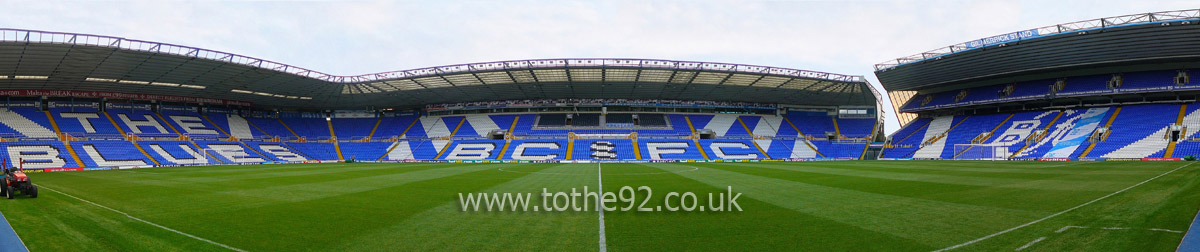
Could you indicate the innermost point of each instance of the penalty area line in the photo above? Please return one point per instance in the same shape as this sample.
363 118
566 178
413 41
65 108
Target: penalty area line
1063 211
145 221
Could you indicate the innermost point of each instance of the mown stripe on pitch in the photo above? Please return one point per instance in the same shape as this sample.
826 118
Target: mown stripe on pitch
1000 196
760 226
988 170
317 189
1060 183
251 181
447 227
895 215
308 224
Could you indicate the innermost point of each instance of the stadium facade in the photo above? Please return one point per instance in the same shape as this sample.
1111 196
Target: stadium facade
1112 88
78 101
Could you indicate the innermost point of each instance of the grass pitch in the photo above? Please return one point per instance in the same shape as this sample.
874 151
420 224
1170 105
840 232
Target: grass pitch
817 206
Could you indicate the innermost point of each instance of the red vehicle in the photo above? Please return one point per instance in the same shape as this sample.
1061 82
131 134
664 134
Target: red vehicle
16 181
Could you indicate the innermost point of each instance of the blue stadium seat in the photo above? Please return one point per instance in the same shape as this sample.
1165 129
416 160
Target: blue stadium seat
315 150
271 126
37 154
669 149
354 128
1134 123
110 153
394 126
176 153
364 151
603 149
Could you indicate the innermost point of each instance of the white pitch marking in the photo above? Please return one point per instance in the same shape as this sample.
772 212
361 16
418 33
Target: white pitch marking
1060 230
147 222
1065 228
600 208
1031 243
1060 213
1165 230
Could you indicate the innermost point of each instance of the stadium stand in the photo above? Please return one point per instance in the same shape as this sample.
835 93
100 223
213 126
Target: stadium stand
310 128
364 151
27 122
552 120
354 128
585 120
191 123
619 120
37 154
177 153
394 126
110 154
271 126
314 150
141 122
652 120
1136 131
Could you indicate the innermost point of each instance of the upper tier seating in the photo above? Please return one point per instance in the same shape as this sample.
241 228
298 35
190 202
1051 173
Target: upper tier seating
983 94
1147 81
814 124
552 120
1133 82
270 126
1085 85
141 122
25 121
83 121
1031 90
311 128
619 120
354 128
191 123
855 127
394 126
585 120
652 120
237 126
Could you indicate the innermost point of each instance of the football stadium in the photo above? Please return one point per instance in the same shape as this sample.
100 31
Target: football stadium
1077 136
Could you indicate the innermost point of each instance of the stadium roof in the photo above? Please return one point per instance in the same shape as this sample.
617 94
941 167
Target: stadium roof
1145 41
1099 23
66 61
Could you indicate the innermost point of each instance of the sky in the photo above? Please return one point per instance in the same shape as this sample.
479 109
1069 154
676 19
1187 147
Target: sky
360 37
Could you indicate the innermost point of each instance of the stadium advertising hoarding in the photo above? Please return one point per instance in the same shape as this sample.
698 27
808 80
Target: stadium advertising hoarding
119 95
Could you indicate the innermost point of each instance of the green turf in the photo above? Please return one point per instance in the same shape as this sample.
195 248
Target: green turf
817 206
